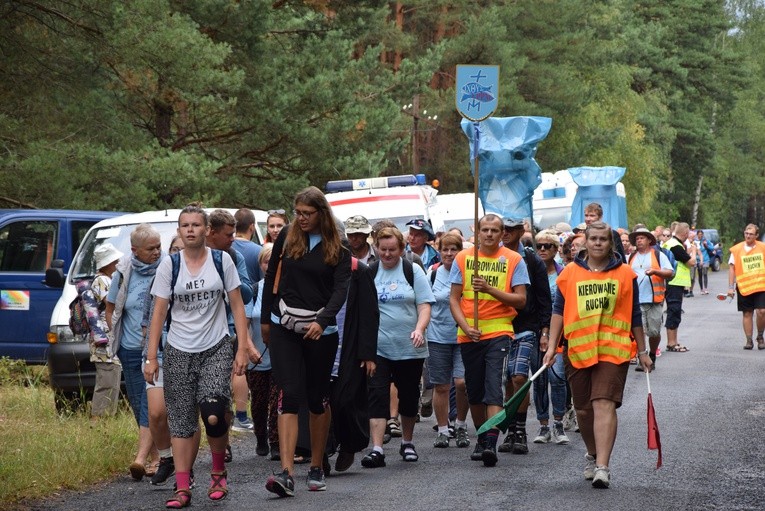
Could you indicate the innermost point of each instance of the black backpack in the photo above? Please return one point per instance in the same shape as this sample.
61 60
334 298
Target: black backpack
408 270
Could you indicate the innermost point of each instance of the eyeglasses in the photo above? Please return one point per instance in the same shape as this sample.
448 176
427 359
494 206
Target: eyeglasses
545 246
304 214
276 212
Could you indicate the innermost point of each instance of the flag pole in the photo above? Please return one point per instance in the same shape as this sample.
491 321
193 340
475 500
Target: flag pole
476 145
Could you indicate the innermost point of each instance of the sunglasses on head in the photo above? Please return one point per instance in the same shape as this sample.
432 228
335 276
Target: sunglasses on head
276 212
545 246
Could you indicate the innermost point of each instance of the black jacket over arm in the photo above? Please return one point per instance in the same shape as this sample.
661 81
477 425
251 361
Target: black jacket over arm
536 315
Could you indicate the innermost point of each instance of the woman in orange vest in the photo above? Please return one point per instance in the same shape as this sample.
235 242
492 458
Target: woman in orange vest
596 306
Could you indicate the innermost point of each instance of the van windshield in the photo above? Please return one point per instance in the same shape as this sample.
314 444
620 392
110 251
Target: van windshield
119 236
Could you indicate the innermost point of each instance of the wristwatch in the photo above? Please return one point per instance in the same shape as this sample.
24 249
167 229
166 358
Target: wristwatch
645 352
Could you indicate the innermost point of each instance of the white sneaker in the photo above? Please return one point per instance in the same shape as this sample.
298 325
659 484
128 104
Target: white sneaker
589 467
558 434
245 425
602 478
543 436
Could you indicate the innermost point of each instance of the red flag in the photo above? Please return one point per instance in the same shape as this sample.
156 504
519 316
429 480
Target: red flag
654 440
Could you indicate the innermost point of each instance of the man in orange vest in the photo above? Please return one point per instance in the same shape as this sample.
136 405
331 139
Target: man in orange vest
746 273
653 269
499 285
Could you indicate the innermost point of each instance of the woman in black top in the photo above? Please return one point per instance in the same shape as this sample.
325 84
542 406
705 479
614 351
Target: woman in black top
305 287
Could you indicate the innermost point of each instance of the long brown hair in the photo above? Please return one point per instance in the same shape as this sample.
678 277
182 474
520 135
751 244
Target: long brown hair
296 244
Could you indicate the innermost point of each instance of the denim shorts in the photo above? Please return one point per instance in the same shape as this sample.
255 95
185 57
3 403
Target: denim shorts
444 363
519 354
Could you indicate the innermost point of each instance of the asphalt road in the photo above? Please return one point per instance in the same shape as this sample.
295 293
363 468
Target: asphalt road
710 407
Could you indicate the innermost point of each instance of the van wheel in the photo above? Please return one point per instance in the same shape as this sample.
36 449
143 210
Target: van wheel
68 402
716 264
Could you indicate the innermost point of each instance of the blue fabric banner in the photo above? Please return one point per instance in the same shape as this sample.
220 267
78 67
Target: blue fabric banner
508 172
598 184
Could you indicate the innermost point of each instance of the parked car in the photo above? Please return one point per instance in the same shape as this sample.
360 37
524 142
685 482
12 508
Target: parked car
717 253
32 241
72 374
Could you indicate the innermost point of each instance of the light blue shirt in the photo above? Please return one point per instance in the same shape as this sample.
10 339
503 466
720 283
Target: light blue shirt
442 328
132 315
252 311
398 303
520 275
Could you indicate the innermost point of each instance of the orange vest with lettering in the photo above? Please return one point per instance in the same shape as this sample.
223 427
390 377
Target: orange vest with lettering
597 314
749 267
658 284
494 317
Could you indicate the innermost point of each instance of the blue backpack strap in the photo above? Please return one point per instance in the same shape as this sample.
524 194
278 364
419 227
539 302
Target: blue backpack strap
217 257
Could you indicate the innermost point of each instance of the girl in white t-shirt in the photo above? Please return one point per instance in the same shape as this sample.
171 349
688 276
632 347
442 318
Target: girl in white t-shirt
198 354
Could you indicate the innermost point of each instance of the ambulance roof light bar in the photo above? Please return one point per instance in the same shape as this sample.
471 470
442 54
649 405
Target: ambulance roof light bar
346 185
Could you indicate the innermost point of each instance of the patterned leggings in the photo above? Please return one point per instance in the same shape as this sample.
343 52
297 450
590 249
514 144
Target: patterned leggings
264 404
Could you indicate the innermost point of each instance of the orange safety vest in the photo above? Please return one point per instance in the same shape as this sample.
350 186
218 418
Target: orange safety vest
494 317
658 284
597 314
749 267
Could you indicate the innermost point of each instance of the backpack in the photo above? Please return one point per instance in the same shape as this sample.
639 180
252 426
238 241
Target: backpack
408 270
217 257
661 250
433 270
78 317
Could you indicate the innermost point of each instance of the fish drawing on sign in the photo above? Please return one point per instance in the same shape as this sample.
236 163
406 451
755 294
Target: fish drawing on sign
477 92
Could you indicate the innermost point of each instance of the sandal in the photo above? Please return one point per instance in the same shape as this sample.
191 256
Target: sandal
394 427
151 468
181 499
408 453
299 460
218 486
678 348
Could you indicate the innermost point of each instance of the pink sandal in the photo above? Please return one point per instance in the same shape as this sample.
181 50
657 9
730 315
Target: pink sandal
218 486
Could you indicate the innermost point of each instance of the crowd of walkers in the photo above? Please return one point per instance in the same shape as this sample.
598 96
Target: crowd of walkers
340 331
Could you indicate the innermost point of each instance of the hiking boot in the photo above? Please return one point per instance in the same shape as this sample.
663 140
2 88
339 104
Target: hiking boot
373 460
507 445
261 447
489 454
558 434
316 480
520 446
441 441
589 467
243 425
760 343
749 344
543 436
462 438
477 454
282 484
165 469
602 477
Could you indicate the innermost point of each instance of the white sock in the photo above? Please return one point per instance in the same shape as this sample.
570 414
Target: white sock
460 424
379 449
443 430
165 453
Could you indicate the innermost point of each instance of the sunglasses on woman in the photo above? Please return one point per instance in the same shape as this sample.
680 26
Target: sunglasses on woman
545 246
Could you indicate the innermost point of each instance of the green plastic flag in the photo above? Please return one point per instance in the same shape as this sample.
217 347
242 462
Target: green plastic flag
510 408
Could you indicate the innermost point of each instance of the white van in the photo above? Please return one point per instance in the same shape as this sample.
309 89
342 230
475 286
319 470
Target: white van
397 198
72 375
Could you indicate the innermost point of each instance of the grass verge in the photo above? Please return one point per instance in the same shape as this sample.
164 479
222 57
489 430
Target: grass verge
42 452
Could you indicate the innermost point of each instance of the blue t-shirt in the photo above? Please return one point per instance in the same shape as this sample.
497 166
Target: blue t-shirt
250 251
132 314
442 328
398 302
252 311
520 275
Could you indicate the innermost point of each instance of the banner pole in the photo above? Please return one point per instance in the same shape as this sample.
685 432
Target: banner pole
476 142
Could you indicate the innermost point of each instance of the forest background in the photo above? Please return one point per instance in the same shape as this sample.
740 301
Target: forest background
147 104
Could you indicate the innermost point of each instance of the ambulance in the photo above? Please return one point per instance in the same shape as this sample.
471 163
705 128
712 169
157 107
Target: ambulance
458 210
396 198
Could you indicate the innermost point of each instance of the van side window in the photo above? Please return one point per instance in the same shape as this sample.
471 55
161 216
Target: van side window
79 230
28 246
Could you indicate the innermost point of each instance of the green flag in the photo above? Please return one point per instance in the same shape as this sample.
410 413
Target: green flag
510 408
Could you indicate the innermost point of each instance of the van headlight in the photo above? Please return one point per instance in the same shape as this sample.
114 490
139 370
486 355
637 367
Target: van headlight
62 334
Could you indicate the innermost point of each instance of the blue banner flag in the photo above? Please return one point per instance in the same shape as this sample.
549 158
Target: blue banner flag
509 174
477 91
598 184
